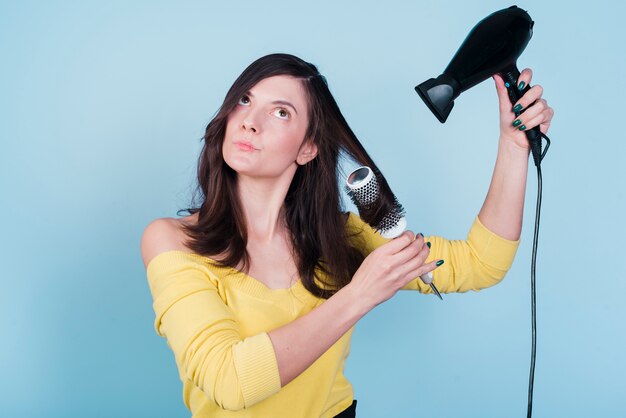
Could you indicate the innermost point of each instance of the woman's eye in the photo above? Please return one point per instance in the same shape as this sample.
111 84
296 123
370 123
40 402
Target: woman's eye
282 113
245 100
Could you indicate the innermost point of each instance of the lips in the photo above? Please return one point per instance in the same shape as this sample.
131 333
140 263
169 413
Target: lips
245 146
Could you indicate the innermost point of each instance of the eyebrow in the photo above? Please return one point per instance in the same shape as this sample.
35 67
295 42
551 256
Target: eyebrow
280 102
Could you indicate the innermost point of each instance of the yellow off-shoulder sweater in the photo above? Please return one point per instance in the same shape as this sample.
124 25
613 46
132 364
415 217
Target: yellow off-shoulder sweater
216 320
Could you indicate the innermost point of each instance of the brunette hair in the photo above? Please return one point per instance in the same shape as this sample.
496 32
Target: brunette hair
313 205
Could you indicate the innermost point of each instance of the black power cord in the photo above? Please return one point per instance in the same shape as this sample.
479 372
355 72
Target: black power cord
533 298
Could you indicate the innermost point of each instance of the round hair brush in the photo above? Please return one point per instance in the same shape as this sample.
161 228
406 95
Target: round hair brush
363 189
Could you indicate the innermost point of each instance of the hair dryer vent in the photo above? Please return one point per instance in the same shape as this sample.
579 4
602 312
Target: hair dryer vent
439 94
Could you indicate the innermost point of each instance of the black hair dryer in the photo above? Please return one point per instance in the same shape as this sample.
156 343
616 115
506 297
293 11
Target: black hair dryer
492 47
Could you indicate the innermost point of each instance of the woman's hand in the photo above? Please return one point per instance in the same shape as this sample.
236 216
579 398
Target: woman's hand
390 267
385 271
536 111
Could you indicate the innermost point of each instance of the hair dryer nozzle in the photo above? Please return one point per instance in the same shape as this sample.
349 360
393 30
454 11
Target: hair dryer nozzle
439 94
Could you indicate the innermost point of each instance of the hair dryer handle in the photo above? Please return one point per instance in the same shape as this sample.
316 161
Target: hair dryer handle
534 135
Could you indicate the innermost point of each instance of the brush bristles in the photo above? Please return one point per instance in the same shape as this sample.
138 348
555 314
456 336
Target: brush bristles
367 199
392 219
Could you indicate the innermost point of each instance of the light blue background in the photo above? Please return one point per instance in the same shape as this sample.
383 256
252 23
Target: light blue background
102 106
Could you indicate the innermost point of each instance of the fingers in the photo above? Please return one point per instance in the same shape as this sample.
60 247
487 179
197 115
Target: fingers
545 125
524 78
522 82
528 99
530 111
420 270
537 114
397 244
409 268
408 253
416 248
503 96
427 268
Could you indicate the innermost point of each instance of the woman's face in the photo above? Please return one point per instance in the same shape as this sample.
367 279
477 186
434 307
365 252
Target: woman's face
265 131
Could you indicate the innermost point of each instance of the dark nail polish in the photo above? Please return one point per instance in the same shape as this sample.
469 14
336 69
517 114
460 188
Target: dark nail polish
521 128
428 243
440 262
517 108
420 234
517 123
521 85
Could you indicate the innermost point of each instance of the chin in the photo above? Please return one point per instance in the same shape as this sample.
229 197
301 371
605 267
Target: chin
238 166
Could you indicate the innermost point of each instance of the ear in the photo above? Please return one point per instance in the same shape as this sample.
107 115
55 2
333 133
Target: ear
307 152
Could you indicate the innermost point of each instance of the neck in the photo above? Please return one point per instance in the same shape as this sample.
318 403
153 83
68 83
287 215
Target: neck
263 201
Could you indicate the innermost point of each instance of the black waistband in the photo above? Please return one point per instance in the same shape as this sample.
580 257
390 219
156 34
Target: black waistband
348 413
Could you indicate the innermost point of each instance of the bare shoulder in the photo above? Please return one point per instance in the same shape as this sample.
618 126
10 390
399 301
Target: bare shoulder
161 235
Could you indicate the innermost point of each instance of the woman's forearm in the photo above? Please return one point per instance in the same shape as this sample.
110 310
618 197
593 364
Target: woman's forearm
503 209
298 344
382 273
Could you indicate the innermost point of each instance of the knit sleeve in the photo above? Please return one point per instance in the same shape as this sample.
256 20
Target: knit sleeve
204 335
480 261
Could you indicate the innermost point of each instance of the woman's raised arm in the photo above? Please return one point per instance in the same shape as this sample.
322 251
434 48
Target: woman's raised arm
502 211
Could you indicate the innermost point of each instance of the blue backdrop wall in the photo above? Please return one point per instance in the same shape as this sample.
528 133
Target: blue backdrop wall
102 106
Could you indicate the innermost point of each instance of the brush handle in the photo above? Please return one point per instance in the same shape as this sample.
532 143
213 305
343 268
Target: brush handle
363 182
426 278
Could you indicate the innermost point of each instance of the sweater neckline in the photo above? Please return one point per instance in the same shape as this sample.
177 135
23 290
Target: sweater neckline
248 282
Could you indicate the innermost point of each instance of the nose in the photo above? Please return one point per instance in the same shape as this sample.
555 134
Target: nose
248 126
250 121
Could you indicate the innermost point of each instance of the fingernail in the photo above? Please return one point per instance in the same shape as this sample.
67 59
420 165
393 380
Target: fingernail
521 85
521 128
517 108
440 262
422 235
428 243
517 123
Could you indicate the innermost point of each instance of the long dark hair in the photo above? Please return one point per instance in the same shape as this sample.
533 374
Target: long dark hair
313 205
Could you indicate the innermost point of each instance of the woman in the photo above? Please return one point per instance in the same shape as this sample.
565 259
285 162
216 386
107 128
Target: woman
258 289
